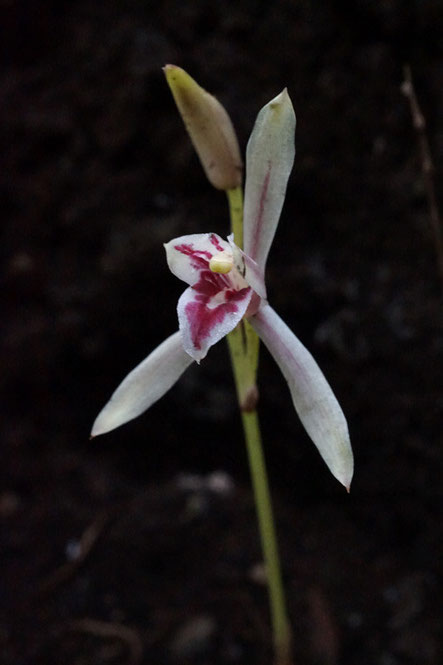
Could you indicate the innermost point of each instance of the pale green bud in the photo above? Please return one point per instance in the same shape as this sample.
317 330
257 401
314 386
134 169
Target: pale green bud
209 127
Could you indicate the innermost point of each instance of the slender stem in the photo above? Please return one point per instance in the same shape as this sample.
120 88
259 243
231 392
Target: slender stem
244 347
280 624
235 199
427 166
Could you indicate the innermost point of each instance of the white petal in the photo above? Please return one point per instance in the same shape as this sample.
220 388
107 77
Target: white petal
248 268
206 319
269 159
188 255
144 385
313 398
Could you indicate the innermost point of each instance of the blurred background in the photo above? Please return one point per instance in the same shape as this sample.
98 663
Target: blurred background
141 546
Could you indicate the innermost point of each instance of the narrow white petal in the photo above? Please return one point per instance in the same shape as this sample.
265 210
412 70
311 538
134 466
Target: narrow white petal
248 268
144 385
269 159
313 398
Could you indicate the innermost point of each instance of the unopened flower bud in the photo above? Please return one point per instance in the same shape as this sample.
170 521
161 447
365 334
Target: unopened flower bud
209 127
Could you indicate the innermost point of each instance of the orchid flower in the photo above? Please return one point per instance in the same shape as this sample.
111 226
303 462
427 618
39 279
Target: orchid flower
225 285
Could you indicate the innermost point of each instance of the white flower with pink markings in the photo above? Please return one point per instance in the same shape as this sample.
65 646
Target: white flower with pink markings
218 296
226 284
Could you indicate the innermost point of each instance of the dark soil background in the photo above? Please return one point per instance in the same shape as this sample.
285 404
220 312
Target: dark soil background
141 547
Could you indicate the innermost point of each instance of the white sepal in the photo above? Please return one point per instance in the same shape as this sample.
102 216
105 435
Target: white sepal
313 398
144 385
269 159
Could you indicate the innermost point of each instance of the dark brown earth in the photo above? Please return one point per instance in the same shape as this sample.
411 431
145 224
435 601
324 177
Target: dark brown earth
129 549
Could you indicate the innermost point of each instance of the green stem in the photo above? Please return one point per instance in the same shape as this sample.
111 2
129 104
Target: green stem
280 624
235 199
244 346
